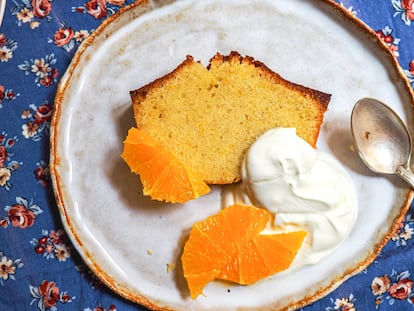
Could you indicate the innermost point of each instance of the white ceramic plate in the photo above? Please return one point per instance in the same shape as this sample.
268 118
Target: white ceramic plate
128 240
2 10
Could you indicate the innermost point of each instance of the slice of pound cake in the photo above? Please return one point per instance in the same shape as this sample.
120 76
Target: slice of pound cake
208 117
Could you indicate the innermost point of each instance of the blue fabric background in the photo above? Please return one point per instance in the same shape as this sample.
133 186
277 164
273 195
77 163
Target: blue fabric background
39 269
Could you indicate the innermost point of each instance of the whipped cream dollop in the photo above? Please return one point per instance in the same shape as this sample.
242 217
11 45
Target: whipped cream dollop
301 186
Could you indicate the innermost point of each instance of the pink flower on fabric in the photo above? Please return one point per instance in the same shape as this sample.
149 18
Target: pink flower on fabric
43 114
50 293
3 155
408 6
402 289
96 8
20 216
41 8
63 36
380 285
411 67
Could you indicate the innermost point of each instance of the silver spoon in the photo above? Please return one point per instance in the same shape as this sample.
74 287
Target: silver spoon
381 138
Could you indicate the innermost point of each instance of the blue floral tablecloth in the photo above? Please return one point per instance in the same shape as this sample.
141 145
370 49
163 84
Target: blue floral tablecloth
39 268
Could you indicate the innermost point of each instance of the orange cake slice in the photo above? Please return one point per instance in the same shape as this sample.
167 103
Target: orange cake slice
208 117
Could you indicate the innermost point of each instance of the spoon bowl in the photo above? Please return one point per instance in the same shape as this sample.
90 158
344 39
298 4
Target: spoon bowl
381 138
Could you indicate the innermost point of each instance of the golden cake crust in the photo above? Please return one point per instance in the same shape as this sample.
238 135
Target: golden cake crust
208 117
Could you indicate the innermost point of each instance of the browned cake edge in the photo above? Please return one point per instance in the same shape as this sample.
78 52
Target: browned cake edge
322 98
139 94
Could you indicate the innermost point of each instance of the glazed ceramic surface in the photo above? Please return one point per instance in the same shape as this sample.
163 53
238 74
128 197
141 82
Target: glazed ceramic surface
127 239
2 8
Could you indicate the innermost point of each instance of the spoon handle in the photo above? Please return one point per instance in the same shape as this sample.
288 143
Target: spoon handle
407 175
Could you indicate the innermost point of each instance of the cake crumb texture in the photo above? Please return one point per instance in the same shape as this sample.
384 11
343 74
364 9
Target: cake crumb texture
208 117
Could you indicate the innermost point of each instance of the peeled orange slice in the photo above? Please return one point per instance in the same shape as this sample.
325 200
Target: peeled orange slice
163 176
231 246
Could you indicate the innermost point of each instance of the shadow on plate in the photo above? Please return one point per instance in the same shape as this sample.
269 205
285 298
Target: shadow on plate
126 182
341 144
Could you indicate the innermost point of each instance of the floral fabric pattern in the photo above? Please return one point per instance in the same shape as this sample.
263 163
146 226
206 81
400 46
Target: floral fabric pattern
7 165
52 245
67 38
39 267
387 36
397 286
342 304
32 12
6 95
47 295
404 8
41 68
38 120
8 268
7 48
22 214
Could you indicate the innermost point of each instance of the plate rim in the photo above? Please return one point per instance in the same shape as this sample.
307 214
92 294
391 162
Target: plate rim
56 179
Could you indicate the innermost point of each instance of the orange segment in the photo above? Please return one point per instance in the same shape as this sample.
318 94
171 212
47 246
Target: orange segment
162 175
230 246
268 254
138 141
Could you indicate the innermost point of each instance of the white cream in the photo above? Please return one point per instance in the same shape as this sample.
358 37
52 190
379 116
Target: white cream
284 174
